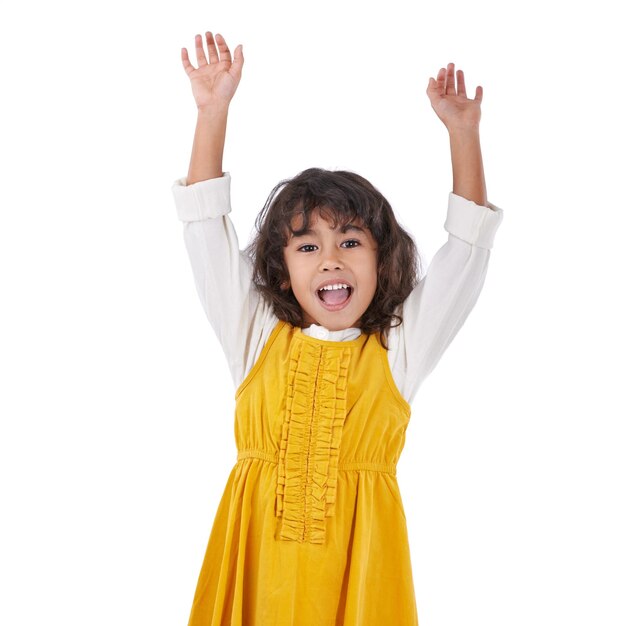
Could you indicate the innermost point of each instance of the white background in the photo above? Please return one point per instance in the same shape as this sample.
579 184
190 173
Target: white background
117 407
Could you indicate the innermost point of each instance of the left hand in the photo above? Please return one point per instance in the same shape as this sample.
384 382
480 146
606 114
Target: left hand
451 104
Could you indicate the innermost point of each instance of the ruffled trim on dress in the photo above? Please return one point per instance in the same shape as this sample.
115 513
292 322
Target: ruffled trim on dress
310 440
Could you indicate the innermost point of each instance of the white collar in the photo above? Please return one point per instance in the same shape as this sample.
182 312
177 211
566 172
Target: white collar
319 332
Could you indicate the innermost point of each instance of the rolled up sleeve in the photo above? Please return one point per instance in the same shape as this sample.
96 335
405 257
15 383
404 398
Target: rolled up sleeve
202 200
471 222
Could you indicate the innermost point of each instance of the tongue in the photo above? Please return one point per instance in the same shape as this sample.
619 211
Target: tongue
335 296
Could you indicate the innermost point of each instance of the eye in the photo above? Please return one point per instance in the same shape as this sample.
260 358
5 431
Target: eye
308 245
352 241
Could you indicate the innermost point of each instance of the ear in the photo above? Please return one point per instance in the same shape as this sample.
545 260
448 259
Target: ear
285 285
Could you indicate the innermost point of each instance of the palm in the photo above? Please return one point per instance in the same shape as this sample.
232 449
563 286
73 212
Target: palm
216 80
452 105
212 82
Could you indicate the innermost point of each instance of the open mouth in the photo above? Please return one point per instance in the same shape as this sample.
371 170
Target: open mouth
335 299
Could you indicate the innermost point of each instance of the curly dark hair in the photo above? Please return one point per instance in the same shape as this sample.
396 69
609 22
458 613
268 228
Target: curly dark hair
340 197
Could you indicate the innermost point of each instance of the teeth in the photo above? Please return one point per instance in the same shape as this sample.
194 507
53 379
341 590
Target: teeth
331 287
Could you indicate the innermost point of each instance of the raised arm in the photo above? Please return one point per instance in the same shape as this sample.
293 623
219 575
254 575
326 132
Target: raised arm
222 273
441 302
213 84
461 116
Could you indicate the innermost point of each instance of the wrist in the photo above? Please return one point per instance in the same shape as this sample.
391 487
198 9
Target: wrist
464 132
213 110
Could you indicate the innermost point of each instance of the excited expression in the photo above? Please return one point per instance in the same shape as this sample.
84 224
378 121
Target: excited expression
332 272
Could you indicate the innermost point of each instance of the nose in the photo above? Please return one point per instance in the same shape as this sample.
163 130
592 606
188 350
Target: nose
331 261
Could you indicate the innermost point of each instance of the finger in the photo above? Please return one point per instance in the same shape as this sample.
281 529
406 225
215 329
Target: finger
235 68
223 48
479 94
200 51
441 80
450 88
186 63
460 79
210 44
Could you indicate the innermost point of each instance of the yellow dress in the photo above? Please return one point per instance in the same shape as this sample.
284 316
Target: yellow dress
310 530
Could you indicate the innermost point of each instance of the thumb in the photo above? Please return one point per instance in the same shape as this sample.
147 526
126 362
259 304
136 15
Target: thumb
432 88
237 64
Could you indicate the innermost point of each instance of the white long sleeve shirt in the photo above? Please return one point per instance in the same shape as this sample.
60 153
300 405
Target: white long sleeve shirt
432 314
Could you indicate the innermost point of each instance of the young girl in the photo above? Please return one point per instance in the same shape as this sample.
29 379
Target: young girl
328 331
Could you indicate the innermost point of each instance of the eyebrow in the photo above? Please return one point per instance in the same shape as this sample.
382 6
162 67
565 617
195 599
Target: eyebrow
343 229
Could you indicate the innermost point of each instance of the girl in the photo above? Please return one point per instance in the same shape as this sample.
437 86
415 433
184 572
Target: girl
329 331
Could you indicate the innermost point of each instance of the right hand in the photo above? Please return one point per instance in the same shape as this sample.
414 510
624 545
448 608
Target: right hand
213 83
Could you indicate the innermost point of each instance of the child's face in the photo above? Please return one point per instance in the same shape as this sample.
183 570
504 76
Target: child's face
325 256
